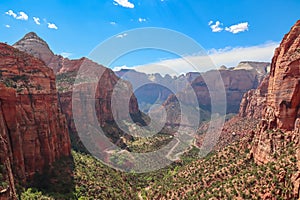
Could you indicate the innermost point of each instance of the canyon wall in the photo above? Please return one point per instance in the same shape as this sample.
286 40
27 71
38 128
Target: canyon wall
33 127
280 118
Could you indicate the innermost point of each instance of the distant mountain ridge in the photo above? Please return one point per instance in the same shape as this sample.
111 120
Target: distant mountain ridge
238 80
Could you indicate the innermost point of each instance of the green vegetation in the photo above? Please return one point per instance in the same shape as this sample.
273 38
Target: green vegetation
143 145
229 173
3 181
33 194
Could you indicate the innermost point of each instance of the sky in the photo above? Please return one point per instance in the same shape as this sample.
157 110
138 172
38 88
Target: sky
229 31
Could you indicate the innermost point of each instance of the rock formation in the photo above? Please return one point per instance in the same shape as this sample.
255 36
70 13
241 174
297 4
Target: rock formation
7 183
279 126
254 101
238 80
66 72
32 124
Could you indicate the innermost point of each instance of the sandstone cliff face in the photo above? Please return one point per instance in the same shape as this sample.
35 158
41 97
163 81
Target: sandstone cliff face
279 126
254 101
237 81
36 127
7 183
66 72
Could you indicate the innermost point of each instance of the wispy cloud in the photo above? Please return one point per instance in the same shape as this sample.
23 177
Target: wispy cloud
142 19
20 16
52 26
237 28
37 20
215 27
229 56
121 35
66 54
7 26
124 3
118 68
113 23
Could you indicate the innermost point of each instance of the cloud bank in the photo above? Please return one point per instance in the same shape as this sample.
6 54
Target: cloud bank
229 57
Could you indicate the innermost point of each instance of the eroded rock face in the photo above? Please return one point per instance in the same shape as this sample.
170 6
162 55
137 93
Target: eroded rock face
284 83
7 188
254 101
279 126
237 82
35 124
66 71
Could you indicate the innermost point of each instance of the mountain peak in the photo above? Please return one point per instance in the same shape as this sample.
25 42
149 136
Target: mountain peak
30 39
31 35
36 46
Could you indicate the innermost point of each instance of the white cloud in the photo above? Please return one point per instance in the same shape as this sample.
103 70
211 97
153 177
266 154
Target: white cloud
37 20
11 13
229 56
66 54
122 35
124 3
7 26
22 16
210 22
52 26
113 23
118 68
215 27
237 28
142 20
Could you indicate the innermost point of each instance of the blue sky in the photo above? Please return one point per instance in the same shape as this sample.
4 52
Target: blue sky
76 27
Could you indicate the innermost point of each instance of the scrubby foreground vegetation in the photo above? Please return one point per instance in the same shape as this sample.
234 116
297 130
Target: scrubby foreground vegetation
230 173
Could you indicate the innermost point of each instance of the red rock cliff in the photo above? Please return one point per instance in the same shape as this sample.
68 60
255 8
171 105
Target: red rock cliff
280 123
284 85
7 183
254 101
29 103
66 71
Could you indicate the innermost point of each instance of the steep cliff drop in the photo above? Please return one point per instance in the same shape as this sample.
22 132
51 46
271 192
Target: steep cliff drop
32 124
279 126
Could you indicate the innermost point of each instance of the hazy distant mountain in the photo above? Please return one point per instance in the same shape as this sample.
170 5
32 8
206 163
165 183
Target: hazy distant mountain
154 88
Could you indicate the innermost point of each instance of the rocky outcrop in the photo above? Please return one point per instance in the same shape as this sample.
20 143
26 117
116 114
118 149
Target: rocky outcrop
35 125
34 45
279 126
254 101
